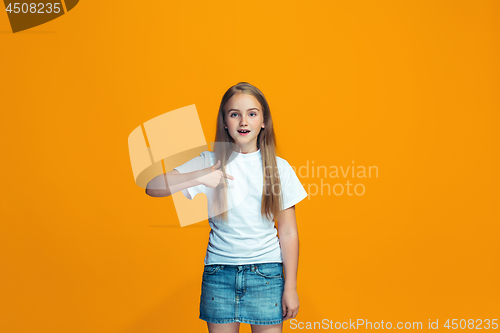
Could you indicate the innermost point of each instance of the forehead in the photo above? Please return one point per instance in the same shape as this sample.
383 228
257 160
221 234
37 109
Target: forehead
242 102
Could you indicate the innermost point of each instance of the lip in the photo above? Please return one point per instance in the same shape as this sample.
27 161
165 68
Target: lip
244 133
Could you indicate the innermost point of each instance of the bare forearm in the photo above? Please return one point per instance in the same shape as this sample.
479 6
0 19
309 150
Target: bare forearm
290 255
168 184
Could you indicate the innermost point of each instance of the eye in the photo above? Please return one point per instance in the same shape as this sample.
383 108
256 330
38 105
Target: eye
233 114
253 113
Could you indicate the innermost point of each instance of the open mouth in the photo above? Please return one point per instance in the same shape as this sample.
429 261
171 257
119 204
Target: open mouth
243 132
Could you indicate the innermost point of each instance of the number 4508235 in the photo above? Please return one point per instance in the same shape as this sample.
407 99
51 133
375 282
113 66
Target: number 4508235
38 8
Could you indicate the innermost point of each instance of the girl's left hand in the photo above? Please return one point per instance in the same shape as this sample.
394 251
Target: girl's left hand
290 304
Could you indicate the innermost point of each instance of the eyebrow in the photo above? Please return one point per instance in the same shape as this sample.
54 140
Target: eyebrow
239 110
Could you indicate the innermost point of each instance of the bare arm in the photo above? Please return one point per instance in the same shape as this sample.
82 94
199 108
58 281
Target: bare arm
289 241
174 181
171 182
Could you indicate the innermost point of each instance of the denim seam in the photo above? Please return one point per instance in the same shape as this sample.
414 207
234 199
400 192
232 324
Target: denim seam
242 320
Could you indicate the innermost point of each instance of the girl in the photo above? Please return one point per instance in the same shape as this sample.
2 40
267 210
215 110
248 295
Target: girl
243 280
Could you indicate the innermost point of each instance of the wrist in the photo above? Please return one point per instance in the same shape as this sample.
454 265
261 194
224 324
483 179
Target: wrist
197 175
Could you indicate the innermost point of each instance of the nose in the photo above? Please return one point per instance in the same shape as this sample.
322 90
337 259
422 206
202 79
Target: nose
243 121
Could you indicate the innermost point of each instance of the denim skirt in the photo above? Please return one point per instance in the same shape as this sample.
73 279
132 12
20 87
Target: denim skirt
242 293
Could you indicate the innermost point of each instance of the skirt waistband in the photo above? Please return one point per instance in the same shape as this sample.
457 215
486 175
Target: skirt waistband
251 267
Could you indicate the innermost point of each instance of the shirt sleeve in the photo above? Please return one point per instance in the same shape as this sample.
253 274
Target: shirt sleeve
293 191
195 164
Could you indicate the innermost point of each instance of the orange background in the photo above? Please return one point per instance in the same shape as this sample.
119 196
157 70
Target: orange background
411 87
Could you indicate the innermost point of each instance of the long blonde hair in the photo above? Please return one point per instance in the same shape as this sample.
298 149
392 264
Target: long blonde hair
272 200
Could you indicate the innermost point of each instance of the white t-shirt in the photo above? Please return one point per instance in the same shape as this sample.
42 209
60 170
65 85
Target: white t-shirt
246 238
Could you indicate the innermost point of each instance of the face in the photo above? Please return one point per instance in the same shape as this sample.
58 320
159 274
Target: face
244 120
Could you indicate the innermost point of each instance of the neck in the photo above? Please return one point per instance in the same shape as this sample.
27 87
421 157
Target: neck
245 149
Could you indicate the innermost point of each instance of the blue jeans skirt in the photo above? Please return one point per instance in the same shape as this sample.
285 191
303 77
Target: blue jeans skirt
242 293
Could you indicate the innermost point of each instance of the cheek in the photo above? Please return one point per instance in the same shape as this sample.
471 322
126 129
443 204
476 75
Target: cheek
258 120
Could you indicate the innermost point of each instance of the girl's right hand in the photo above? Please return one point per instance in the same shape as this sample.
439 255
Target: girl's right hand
211 176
